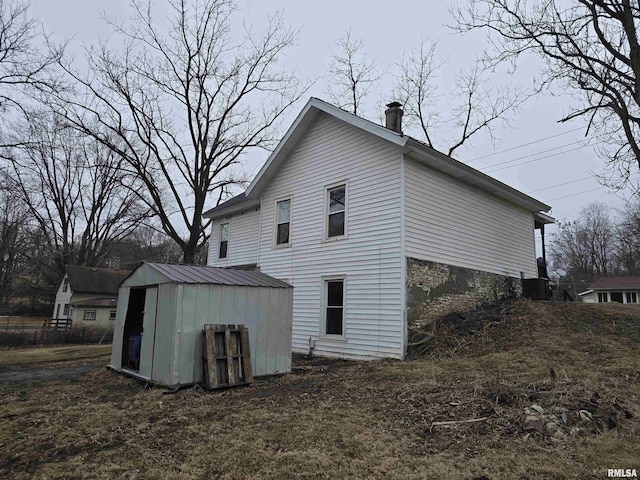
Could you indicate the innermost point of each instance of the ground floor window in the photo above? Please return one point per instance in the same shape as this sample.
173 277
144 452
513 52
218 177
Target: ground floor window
89 315
616 297
334 306
112 315
603 297
632 297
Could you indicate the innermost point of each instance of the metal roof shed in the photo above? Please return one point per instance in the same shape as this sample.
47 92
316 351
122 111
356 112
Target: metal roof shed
163 307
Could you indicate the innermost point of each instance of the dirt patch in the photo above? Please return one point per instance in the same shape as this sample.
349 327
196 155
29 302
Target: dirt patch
23 367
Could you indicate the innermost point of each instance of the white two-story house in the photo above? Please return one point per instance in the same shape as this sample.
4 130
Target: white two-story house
87 295
374 230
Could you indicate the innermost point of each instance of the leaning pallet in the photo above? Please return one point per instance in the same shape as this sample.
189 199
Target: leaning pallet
227 356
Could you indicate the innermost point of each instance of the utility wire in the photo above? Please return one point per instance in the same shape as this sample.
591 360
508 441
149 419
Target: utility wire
524 145
575 194
559 185
534 154
536 159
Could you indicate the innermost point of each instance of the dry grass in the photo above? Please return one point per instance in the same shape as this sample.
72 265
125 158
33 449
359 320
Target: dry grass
21 323
338 419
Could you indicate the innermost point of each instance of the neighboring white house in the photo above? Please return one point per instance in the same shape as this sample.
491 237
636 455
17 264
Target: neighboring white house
88 295
613 289
374 230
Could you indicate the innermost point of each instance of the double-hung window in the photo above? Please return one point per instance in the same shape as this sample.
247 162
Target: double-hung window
224 240
65 284
334 306
65 311
89 315
336 211
283 222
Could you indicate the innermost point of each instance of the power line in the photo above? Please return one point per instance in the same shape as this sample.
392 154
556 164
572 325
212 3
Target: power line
524 145
536 159
559 185
534 154
575 194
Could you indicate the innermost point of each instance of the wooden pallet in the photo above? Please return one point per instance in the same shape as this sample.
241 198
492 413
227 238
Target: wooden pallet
227 356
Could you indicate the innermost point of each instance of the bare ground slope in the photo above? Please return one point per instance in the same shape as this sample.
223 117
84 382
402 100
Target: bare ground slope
520 390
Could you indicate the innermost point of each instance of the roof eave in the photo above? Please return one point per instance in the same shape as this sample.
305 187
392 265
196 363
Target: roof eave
586 292
303 121
544 219
246 205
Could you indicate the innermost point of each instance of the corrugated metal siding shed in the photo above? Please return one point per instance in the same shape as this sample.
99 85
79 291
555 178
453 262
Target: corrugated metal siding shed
216 275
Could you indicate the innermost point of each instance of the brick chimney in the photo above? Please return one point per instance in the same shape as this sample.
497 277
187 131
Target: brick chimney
394 117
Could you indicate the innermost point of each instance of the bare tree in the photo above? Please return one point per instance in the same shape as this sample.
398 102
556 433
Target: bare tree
628 240
585 248
589 48
183 108
13 229
75 189
351 76
22 61
471 107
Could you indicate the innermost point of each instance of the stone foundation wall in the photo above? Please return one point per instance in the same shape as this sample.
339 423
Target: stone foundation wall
435 289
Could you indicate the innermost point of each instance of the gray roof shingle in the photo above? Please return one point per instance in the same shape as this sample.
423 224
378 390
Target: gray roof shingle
95 280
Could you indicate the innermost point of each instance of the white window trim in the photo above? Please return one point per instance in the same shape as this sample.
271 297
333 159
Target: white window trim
325 212
275 221
228 224
112 318
323 306
95 315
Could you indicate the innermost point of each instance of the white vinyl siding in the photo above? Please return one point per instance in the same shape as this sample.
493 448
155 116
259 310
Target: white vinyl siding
453 223
331 154
242 248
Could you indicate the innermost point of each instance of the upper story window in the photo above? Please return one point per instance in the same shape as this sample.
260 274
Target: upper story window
283 222
336 210
65 311
224 240
65 284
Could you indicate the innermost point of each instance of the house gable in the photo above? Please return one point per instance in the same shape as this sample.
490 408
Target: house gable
369 257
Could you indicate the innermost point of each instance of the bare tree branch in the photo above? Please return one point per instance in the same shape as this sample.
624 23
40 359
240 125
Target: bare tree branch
75 190
471 106
351 76
589 48
183 108
23 64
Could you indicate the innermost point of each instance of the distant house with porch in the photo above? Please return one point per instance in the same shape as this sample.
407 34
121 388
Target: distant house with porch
87 295
613 289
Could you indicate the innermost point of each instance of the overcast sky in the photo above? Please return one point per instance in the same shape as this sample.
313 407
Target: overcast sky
562 177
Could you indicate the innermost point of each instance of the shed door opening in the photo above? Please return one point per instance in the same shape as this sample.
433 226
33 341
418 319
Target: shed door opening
132 338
